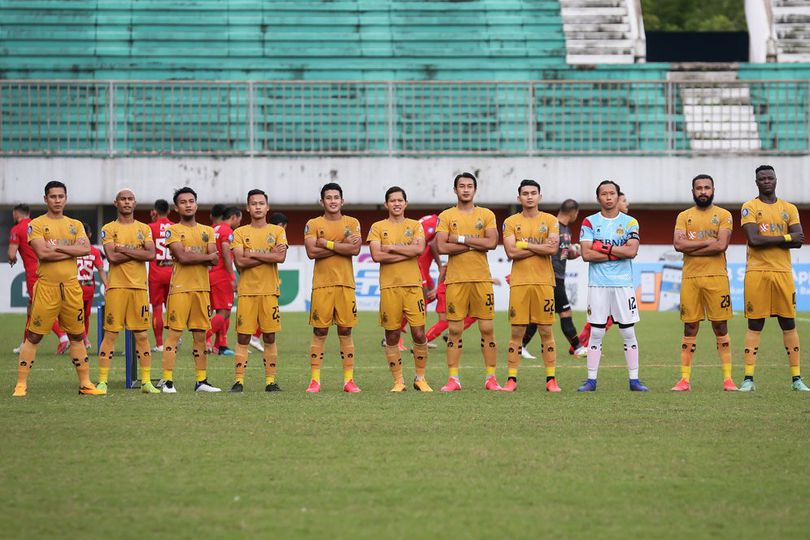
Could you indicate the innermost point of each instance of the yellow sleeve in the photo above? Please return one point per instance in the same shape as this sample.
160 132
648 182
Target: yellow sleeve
374 233
420 232
212 237
107 234
79 230
356 228
282 237
237 239
508 227
680 222
309 229
147 232
727 222
489 220
793 212
748 213
444 222
555 226
171 237
35 230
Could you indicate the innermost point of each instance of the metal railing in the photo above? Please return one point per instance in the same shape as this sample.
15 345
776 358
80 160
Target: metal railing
291 118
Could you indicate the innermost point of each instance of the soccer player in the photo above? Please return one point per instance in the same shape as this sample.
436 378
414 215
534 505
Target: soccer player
396 243
128 245
223 281
610 241
86 267
567 214
276 218
702 234
332 240
193 249
160 268
258 249
18 243
56 240
466 232
772 228
530 238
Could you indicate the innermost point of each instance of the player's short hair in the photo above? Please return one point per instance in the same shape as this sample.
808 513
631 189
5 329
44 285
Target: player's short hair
702 177
181 191
253 192
528 182
606 182
764 168
569 205
22 208
218 211
469 175
394 189
277 218
162 207
54 184
231 211
331 186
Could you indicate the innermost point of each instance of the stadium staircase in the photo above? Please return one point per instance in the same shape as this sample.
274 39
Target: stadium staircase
602 31
717 117
791 28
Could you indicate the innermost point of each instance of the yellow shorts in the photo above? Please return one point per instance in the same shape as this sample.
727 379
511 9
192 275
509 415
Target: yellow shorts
769 294
330 305
473 299
63 301
705 296
531 303
189 310
398 301
126 308
259 311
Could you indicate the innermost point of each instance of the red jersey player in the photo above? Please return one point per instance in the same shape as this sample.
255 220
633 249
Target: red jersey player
223 281
429 224
160 269
18 243
85 272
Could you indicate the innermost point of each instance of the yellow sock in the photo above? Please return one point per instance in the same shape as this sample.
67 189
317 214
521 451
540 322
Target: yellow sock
105 354
200 375
688 346
170 354
28 353
453 371
146 375
420 358
270 359
240 354
316 356
724 350
144 356
513 352
168 375
103 374
751 347
394 360
488 347
791 340
347 355
200 356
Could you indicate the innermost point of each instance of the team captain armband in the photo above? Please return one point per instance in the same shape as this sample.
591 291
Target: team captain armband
633 235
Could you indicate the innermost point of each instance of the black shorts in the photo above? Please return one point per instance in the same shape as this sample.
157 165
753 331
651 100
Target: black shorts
561 302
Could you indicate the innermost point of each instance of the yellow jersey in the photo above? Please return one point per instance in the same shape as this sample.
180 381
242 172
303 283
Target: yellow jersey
190 277
537 269
63 231
402 273
472 265
701 225
262 279
336 270
771 220
131 274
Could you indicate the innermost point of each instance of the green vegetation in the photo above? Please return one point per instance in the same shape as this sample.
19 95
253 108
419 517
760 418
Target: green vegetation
694 15
376 465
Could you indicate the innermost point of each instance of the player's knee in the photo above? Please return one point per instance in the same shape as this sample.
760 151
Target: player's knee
392 337
344 331
720 328
518 331
76 337
269 337
628 333
320 332
545 331
418 334
786 323
243 339
756 325
691 329
33 338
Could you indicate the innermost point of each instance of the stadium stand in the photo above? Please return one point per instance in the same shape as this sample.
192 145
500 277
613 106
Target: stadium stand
791 28
603 31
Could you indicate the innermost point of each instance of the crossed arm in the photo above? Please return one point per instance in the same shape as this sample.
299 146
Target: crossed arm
52 253
596 251
701 248
189 257
448 244
118 254
317 247
758 240
549 247
246 258
392 253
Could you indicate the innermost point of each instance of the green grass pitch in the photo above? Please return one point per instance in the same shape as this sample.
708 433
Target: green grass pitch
613 464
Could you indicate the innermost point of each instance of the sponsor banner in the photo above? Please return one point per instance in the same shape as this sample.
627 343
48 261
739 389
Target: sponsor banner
657 278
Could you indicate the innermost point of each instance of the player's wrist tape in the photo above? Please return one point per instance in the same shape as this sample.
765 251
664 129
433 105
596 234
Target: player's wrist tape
788 238
522 245
461 239
330 245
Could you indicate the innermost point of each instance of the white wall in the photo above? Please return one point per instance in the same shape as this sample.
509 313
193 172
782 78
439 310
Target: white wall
297 181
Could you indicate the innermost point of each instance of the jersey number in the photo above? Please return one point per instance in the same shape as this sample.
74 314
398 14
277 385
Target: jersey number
276 316
631 303
725 301
490 300
548 307
421 305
